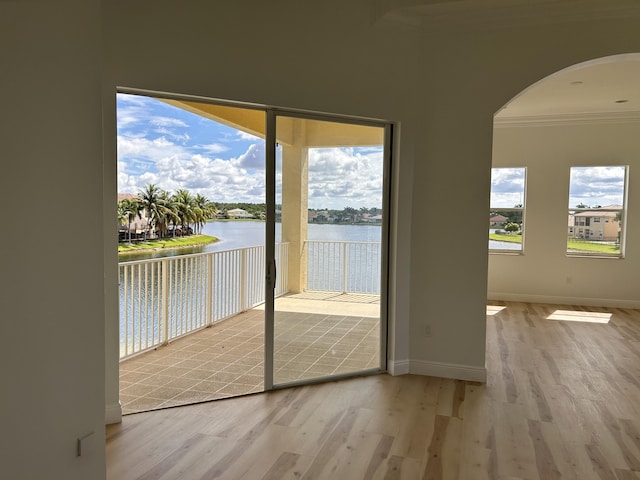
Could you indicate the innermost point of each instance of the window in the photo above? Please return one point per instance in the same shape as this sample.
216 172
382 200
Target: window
597 195
506 215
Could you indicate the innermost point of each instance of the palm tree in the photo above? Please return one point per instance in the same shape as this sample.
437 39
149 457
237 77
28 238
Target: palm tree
128 210
122 214
185 207
167 213
153 201
205 209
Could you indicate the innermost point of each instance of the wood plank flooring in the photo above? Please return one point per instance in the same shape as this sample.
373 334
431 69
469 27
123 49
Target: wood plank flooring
562 401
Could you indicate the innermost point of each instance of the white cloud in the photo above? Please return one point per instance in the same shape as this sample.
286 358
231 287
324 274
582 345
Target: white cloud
254 157
337 177
160 121
595 186
213 148
172 167
246 136
130 148
129 116
341 177
507 187
180 137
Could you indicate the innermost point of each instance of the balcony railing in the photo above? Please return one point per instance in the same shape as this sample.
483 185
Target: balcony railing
347 267
165 298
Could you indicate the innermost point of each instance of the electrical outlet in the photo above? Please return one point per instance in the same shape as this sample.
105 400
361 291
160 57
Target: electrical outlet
427 330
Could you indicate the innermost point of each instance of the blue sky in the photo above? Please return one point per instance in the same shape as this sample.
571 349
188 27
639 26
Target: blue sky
172 148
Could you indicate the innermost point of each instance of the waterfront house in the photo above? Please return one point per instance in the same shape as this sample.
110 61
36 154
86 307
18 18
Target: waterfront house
238 213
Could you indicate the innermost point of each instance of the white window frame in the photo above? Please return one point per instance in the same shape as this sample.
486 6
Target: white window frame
623 220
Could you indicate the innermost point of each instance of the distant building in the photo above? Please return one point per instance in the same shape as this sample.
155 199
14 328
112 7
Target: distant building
372 218
238 213
595 224
498 221
127 196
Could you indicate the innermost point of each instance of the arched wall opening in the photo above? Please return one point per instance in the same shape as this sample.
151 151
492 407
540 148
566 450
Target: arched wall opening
586 115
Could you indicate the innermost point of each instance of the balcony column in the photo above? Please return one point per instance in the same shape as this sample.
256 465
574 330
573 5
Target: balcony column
295 171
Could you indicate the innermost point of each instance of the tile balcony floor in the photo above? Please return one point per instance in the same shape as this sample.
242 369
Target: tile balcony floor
316 334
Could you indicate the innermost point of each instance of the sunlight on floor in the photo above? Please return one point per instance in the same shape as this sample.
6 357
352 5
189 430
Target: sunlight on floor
578 316
494 309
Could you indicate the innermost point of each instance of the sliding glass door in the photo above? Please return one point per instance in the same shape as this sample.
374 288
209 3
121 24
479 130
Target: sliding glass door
328 223
296 298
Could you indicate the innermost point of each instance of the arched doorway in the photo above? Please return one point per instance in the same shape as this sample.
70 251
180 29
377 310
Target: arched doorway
569 141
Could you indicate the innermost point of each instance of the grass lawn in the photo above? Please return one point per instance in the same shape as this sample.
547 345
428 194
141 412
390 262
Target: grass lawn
592 247
506 237
573 245
189 241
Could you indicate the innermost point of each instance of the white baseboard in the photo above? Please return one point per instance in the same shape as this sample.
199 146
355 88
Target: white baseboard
113 414
400 367
448 370
561 300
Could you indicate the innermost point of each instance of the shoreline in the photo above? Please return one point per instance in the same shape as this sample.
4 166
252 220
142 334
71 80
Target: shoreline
165 244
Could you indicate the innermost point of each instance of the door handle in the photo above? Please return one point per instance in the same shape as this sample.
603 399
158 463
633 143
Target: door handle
272 274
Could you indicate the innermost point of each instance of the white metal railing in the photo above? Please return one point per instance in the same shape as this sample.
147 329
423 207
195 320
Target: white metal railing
165 298
348 267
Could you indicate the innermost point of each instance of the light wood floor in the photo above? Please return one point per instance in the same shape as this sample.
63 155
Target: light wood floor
562 401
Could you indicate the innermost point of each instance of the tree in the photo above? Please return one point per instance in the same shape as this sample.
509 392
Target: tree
154 202
184 206
205 209
349 214
128 210
512 227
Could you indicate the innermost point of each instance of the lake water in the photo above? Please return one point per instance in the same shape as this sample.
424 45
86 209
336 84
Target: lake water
240 234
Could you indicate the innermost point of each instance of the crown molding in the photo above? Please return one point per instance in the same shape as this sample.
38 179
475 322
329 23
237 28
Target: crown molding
568 119
448 15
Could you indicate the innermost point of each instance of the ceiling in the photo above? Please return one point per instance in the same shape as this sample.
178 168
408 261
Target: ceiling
607 88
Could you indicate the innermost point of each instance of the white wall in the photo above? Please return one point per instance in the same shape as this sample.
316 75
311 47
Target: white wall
51 296
545 273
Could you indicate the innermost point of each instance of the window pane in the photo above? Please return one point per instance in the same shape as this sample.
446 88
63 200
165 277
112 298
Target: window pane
506 216
596 209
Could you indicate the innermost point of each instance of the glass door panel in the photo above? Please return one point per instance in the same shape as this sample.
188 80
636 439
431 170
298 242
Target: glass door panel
190 171
329 224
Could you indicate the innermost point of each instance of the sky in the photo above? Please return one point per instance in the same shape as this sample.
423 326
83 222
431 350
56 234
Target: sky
507 187
591 186
172 148
597 186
